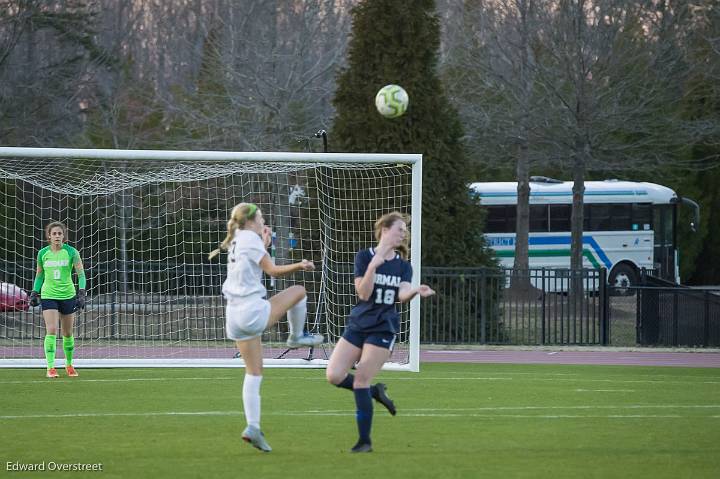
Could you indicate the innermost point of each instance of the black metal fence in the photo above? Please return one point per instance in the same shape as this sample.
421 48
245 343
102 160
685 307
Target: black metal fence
674 315
473 306
483 306
505 306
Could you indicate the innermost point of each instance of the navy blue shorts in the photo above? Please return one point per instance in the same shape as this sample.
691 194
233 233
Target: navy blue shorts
64 306
383 339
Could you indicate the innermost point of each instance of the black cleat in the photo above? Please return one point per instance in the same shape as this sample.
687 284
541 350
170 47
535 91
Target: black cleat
380 395
362 447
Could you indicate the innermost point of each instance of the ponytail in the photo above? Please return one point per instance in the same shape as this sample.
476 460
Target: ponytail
238 217
231 227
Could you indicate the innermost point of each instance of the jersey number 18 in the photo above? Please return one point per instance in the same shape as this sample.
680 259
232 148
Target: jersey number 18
387 298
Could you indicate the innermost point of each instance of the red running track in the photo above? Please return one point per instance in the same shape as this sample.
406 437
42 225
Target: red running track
701 358
625 358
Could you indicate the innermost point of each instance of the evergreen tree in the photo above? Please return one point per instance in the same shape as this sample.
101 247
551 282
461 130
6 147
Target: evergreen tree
398 42
700 251
705 251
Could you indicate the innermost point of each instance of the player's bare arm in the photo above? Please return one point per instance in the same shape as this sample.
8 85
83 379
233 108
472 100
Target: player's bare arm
407 292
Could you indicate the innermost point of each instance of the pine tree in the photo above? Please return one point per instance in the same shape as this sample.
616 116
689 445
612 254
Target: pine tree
398 42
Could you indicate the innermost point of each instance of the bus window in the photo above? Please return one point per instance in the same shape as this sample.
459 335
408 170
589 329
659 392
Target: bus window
597 217
620 217
641 217
608 217
560 217
500 219
538 218
663 225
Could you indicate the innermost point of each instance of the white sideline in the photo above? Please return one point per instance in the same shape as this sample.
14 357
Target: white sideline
614 381
410 413
527 408
182 363
399 378
83 380
605 390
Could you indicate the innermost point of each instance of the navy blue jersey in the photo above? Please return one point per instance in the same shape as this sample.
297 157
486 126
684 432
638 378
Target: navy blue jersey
378 313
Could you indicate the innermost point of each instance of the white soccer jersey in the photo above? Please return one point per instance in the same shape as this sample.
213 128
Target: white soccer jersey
244 275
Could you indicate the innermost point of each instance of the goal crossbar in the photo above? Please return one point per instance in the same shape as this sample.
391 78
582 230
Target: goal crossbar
179 155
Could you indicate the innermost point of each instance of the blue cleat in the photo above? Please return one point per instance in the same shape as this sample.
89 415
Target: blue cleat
305 341
254 436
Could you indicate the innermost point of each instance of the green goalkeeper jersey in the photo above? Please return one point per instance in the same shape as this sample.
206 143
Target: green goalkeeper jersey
58 266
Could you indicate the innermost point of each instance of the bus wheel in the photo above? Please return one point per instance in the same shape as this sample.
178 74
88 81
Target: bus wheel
622 276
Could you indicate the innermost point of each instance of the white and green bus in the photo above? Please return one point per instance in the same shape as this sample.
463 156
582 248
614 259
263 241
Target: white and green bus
627 226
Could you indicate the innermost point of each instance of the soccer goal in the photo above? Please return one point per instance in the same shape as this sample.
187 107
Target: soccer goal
144 222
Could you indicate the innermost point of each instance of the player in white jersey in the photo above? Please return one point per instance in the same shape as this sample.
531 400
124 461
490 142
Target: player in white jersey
249 312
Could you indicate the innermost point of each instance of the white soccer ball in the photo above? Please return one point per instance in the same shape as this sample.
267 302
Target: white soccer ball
391 101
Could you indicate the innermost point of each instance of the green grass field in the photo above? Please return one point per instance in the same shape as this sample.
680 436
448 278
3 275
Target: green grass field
454 420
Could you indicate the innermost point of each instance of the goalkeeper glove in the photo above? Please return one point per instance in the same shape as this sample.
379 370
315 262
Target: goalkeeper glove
34 299
81 299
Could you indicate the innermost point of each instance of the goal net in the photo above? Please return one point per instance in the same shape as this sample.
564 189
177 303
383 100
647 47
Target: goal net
144 223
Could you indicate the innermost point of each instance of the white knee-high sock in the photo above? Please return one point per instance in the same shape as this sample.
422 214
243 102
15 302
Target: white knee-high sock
296 317
251 399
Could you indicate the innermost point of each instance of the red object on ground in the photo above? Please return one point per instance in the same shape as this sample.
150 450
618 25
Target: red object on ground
13 298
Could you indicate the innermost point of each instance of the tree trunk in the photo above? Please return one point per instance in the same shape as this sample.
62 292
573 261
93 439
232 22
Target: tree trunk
575 283
521 276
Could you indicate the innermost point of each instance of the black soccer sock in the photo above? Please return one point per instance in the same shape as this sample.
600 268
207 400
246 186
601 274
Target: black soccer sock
346 383
364 413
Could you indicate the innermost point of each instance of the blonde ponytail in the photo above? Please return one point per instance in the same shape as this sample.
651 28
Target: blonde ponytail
238 217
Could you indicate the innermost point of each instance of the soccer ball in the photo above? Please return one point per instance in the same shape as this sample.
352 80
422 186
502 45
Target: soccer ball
391 101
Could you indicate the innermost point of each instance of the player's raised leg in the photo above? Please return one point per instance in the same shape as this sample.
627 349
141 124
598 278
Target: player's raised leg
344 357
293 302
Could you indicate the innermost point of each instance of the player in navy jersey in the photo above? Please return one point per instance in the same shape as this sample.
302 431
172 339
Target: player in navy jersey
382 278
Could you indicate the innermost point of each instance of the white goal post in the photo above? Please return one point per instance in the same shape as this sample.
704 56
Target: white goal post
144 222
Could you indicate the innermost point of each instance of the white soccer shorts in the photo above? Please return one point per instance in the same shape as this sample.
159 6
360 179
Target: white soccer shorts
246 319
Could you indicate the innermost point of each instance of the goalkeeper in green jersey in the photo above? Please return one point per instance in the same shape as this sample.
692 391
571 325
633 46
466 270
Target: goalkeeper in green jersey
54 289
